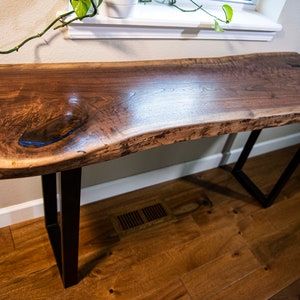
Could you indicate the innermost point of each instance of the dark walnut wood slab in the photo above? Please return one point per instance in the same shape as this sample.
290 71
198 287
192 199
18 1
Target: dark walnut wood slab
55 117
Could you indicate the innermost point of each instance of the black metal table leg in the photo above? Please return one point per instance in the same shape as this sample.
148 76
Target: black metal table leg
63 232
50 201
50 212
250 186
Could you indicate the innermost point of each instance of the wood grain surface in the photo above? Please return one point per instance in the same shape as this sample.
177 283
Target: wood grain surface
55 117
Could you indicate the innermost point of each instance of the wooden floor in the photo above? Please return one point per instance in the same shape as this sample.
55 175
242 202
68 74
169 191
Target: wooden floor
226 247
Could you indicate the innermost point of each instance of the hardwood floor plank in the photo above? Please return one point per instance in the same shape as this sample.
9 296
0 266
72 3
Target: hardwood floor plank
284 213
292 292
276 245
164 237
222 214
29 233
255 227
165 266
292 186
205 281
28 261
280 253
172 290
6 241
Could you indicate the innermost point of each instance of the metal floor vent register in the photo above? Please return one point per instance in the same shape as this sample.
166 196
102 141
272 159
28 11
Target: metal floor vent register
140 217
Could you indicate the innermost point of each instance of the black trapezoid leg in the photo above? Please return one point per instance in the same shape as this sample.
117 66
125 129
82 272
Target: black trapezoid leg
239 174
63 232
249 185
285 176
50 212
50 200
69 222
246 151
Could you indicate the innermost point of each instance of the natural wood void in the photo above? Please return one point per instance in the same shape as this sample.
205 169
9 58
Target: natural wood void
62 116
226 247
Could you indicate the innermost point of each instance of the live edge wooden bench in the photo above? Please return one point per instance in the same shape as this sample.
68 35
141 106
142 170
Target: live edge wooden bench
57 118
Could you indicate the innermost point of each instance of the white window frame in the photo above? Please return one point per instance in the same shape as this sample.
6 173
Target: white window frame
255 21
240 1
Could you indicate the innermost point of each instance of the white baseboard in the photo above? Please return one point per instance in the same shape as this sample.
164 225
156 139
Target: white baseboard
34 209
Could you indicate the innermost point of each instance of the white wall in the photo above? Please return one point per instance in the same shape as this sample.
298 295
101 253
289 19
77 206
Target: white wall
21 18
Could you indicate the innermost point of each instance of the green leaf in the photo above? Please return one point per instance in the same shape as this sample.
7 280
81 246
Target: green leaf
217 27
228 11
100 2
81 7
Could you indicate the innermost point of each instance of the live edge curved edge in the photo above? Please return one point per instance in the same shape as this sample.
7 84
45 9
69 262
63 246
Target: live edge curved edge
55 117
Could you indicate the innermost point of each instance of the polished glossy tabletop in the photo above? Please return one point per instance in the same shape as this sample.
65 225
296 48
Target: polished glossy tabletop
55 117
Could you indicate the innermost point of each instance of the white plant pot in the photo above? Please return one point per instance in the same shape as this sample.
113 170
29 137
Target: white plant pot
119 8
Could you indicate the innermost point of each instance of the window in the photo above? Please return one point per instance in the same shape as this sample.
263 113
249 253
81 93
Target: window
240 1
155 20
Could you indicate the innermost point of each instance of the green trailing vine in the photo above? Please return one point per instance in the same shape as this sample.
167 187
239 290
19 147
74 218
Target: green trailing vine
83 9
227 9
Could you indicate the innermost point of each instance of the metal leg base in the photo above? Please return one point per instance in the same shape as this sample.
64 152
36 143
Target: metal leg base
249 185
63 230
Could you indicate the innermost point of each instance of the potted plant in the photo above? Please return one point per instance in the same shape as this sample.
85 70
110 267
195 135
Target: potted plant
116 8
119 8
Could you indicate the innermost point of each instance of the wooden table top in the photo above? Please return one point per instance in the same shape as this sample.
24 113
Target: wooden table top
55 117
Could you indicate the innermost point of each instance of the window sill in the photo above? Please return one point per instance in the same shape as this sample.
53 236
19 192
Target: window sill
156 21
